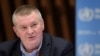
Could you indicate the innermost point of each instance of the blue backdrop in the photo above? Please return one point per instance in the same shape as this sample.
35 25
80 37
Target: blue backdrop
87 28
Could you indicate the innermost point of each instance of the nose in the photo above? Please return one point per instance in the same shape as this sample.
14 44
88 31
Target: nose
29 30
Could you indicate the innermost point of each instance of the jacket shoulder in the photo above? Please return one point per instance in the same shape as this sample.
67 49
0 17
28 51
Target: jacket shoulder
58 42
59 46
8 45
61 43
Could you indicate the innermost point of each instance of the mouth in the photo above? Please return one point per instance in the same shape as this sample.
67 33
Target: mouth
32 37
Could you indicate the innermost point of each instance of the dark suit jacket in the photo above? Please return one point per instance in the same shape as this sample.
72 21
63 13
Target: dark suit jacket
52 46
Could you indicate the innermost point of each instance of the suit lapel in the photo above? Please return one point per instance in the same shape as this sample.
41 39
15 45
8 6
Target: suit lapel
46 46
17 51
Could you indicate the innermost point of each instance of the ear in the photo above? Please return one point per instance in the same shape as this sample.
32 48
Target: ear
43 26
15 30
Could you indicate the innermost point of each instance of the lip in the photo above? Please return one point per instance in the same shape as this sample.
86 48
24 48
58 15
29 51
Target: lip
32 37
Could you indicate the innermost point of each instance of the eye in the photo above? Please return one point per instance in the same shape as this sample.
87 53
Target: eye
23 28
34 24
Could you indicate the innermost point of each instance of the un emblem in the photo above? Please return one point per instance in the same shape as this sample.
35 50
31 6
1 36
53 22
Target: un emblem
85 49
85 14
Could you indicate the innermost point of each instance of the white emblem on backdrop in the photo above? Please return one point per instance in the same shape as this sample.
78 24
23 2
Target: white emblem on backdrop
85 49
85 14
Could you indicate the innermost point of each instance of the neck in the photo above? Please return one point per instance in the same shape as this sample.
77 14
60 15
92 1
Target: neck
30 50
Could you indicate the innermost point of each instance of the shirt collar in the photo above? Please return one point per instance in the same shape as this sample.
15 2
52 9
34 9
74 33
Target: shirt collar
33 53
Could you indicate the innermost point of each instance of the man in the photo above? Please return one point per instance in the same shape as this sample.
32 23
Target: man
29 26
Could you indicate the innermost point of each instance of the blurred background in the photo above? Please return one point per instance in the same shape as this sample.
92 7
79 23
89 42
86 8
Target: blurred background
58 16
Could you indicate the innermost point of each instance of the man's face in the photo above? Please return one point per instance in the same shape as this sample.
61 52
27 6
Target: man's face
29 29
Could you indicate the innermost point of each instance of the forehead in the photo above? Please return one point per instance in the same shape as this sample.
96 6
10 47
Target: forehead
27 18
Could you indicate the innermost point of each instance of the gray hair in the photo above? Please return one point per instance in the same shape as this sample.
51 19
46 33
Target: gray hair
24 10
